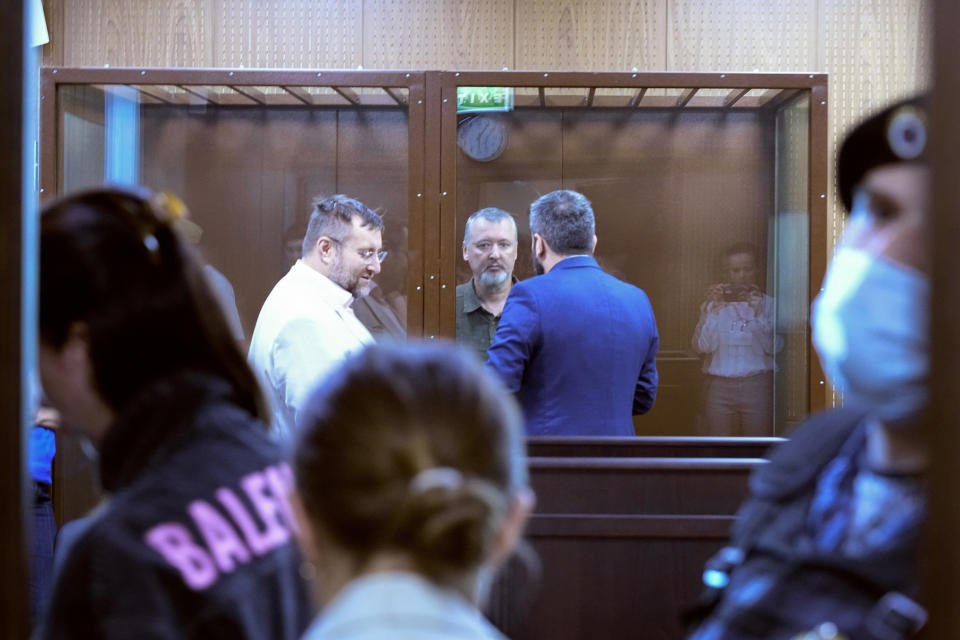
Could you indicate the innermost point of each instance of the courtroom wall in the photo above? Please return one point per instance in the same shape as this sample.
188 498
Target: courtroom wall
874 50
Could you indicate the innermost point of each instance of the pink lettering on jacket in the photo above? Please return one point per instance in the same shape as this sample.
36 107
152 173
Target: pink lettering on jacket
221 538
258 542
223 548
176 545
280 479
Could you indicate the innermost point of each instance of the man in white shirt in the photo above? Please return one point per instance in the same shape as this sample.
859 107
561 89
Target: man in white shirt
306 325
737 335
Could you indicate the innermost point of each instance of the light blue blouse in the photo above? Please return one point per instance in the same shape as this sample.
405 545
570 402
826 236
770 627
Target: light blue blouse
400 606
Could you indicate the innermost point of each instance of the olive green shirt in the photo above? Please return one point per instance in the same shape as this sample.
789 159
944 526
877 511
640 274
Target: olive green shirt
475 325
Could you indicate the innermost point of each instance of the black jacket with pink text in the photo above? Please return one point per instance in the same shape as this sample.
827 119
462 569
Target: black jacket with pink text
196 539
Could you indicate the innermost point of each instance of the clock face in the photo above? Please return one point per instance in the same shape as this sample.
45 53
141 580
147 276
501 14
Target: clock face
482 137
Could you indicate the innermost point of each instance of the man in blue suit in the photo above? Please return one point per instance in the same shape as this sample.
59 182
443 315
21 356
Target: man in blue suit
575 344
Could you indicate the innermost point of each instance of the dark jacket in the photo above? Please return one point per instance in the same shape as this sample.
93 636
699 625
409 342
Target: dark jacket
771 582
579 348
196 539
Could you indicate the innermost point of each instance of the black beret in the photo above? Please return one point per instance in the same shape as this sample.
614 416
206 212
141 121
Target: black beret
896 134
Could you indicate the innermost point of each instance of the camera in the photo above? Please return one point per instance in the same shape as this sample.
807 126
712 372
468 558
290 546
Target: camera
736 292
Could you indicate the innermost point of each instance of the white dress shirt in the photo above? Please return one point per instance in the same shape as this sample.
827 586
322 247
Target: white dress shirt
738 341
305 328
400 606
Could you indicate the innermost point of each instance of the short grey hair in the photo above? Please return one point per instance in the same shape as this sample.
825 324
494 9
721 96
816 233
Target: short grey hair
565 220
491 214
333 216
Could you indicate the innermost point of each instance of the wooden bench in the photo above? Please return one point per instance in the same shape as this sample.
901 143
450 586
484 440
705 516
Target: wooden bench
621 542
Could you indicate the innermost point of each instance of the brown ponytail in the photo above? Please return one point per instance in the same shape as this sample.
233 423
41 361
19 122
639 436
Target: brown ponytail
411 449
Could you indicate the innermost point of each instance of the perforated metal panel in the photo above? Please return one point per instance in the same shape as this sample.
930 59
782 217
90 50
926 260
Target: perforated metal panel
875 52
293 34
438 34
742 35
604 35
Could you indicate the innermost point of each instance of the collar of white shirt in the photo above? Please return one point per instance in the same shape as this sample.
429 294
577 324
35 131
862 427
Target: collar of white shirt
330 292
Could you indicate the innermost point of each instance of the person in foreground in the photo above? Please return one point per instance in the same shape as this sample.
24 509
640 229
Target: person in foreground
412 488
575 344
826 546
195 538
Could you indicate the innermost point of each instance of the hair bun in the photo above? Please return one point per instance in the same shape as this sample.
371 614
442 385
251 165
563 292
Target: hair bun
449 521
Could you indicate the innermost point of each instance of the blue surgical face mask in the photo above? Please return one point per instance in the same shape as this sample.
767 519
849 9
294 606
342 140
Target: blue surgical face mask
871 330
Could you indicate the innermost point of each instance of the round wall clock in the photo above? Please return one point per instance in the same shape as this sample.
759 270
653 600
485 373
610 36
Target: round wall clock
483 137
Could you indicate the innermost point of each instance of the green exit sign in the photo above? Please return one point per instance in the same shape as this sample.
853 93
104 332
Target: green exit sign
472 99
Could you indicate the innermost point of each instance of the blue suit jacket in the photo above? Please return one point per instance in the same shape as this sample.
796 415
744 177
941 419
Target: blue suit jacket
578 347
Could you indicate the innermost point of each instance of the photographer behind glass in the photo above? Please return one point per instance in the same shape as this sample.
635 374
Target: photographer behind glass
827 543
736 334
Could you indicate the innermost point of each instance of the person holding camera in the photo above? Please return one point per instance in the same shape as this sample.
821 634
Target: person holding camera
737 335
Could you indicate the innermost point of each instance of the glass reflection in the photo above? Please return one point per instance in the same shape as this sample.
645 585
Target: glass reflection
736 334
248 173
672 189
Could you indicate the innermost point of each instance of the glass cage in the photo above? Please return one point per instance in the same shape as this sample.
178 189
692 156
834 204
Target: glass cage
248 151
710 194
681 169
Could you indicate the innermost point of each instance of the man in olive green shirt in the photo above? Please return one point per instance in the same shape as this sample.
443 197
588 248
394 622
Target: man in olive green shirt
490 248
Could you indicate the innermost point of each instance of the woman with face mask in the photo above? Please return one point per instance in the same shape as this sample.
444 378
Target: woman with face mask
827 543
412 488
195 537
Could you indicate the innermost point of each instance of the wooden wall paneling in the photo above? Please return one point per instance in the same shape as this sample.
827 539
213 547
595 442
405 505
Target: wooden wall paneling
293 34
53 51
742 35
438 34
117 32
576 35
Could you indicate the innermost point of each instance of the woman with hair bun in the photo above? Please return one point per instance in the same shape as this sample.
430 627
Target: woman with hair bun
195 539
412 489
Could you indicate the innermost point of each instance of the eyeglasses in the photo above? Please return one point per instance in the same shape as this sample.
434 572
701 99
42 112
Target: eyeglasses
367 255
370 254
